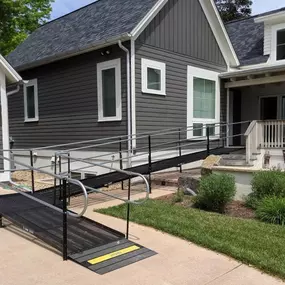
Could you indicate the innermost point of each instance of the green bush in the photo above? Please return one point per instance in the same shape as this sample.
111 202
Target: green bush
272 210
215 191
266 184
178 196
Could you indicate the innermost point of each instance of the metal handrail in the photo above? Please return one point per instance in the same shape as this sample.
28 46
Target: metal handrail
70 180
129 173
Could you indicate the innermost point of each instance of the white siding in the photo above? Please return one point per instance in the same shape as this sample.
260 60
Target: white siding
267 39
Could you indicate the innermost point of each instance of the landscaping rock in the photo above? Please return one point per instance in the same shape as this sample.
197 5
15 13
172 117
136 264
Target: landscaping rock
188 181
209 163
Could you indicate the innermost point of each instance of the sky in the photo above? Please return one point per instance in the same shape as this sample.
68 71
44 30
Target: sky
62 7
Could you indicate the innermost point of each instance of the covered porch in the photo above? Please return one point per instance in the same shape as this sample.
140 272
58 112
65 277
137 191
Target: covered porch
256 97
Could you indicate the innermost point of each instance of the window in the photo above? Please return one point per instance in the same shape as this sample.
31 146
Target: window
280 44
153 77
203 102
31 101
109 91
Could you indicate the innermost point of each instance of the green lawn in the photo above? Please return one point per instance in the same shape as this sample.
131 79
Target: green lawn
250 241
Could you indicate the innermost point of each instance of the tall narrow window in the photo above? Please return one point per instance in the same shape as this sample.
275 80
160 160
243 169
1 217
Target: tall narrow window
109 90
31 101
281 44
203 102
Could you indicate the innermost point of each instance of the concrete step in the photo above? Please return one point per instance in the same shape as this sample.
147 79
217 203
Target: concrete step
234 157
234 162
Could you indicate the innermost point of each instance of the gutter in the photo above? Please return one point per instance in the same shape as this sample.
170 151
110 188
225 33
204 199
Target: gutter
250 71
129 106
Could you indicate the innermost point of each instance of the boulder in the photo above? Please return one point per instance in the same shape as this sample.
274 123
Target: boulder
209 163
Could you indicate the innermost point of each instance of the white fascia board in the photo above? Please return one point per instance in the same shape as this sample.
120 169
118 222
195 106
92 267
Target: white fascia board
220 32
9 71
147 19
272 18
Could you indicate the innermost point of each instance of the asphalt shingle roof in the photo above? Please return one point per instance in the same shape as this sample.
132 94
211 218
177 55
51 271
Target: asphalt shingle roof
90 25
247 38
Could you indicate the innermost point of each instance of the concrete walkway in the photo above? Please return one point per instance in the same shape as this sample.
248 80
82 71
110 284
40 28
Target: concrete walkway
25 261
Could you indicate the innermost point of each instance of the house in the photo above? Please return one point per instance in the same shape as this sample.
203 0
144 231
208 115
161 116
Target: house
7 75
126 67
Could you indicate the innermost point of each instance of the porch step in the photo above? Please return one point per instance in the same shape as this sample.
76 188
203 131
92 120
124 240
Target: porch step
235 160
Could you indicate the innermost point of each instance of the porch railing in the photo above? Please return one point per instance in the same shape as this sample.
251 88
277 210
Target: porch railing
264 134
273 134
253 138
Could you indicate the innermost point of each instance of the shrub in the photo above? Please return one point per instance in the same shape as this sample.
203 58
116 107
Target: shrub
272 210
215 191
266 184
178 197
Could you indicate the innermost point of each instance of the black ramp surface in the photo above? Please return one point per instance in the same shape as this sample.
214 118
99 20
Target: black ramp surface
112 256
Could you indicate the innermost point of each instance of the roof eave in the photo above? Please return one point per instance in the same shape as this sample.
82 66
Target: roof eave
263 68
279 16
9 71
75 52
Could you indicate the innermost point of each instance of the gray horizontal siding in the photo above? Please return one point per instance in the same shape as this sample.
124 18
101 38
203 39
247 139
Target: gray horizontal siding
1 143
182 27
179 35
68 108
155 112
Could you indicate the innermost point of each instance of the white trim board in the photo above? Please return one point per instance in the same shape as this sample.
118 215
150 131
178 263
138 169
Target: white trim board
157 65
116 64
193 72
11 74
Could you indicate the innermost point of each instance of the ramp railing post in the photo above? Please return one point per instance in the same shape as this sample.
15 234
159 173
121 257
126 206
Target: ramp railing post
208 140
64 220
68 175
128 209
55 170
60 181
121 161
180 150
149 163
32 171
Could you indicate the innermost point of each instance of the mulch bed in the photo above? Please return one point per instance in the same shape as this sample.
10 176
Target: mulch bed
235 209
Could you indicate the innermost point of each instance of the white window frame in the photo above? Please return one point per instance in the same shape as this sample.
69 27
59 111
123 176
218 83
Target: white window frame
274 30
116 63
32 82
147 63
208 75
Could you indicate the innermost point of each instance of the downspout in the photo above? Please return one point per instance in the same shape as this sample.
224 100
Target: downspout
129 102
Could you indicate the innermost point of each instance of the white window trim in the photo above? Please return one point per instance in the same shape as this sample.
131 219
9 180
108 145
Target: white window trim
208 75
32 82
274 30
116 63
146 63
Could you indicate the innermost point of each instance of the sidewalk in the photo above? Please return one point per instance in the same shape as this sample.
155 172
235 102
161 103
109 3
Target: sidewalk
25 261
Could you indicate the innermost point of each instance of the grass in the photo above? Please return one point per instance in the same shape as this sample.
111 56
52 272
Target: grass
249 241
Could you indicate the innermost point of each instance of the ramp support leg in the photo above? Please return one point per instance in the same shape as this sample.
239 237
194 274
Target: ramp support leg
128 209
149 163
32 171
64 220
180 151
208 140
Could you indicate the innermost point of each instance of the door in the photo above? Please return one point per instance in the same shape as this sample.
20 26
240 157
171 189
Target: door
268 108
236 113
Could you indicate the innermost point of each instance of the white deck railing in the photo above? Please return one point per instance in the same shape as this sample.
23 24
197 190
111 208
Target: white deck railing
273 134
264 134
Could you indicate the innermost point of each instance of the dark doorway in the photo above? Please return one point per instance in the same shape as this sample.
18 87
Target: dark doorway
268 108
236 117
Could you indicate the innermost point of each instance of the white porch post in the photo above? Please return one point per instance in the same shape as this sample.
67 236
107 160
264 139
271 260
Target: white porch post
228 117
5 129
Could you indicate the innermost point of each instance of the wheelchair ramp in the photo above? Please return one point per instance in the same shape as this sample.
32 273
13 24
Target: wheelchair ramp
112 256
90 244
